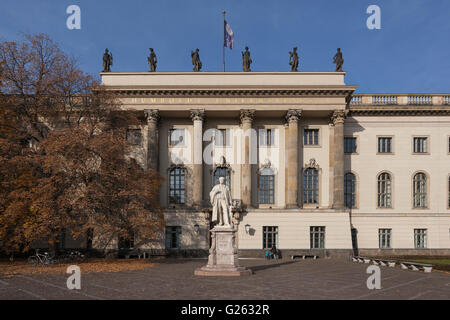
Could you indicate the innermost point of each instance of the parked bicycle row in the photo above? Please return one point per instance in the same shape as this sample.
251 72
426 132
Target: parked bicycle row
46 258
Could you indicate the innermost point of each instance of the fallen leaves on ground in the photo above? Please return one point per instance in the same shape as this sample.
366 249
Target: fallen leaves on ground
93 265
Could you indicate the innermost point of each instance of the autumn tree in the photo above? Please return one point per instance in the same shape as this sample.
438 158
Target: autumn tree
65 163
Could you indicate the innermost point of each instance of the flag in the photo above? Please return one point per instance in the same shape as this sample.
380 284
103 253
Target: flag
228 39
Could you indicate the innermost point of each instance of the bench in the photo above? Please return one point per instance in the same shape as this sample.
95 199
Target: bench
384 262
304 256
415 266
359 259
134 253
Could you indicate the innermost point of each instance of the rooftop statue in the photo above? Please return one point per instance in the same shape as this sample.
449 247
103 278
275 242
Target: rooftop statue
152 60
293 59
196 60
338 60
107 61
246 60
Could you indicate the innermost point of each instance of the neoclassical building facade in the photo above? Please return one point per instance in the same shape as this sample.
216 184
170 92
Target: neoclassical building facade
311 165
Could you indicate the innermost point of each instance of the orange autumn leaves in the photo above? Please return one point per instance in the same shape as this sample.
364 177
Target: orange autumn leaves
64 158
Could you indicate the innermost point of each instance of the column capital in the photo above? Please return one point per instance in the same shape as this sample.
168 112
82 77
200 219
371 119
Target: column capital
247 115
293 115
197 114
338 116
152 115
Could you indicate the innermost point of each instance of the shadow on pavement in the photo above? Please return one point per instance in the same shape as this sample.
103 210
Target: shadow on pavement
270 265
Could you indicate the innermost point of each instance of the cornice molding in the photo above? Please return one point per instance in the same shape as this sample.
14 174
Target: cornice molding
241 93
404 111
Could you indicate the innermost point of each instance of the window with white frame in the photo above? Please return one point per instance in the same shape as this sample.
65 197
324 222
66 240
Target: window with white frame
173 237
311 186
420 145
384 238
350 190
311 137
350 145
385 145
384 190
420 238
448 145
266 137
222 137
270 237
420 190
317 237
127 241
266 188
177 192
134 136
176 137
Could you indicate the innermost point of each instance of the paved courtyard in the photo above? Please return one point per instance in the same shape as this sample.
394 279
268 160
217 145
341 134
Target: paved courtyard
174 279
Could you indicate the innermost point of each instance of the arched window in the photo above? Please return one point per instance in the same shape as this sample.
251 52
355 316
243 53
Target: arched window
420 190
177 192
350 190
222 172
266 186
384 190
311 186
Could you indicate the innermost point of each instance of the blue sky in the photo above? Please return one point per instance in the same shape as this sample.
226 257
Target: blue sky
410 54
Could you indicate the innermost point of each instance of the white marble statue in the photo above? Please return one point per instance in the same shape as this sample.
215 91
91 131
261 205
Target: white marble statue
220 197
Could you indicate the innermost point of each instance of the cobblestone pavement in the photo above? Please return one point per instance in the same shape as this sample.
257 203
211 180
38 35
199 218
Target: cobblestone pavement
174 279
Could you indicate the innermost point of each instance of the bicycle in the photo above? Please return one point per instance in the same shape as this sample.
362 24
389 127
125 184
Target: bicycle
41 259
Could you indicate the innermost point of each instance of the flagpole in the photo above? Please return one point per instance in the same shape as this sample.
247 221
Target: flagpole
223 42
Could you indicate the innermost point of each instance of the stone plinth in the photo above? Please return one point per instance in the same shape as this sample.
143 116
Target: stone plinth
223 255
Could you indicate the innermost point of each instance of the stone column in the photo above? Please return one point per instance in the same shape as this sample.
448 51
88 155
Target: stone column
292 118
152 138
338 119
247 116
197 117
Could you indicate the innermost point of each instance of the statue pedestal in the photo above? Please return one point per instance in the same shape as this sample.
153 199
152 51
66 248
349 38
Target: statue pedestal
223 255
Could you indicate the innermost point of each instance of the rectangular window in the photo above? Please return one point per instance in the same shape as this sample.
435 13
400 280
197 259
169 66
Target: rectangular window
266 137
448 145
270 237
134 136
420 238
420 145
311 137
350 145
385 145
317 237
173 237
384 238
222 138
126 242
176 137
266 189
